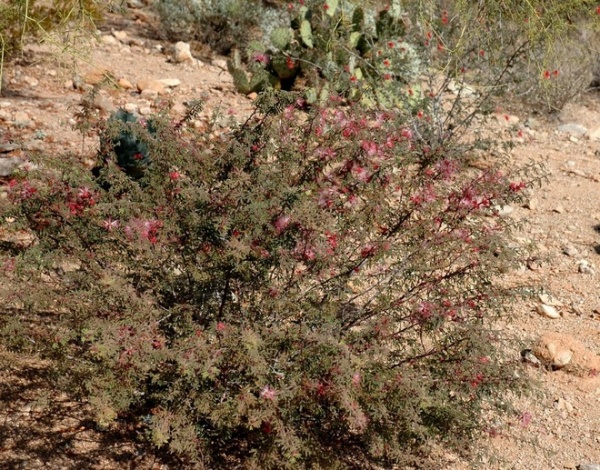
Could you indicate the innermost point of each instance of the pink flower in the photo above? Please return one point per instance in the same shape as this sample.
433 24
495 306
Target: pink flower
282 223
221 326
268 393
110 224
174 175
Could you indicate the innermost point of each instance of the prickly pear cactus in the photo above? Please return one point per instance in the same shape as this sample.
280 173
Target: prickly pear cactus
281 38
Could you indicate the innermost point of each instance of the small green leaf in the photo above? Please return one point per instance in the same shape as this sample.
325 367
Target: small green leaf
331 7
354 38
306 33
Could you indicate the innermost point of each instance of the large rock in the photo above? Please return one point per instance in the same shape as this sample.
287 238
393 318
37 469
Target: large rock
564 352
9 165
573 129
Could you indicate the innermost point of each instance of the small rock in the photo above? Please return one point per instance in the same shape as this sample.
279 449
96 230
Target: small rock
588 466
95 77
170 82
252 95
145 111
7 147
21 116
4 115
503 211
562 358
531 204
69 84
548 311
573 139
31 81
594 134
559 209
528 356
102 103
182 52
221 63
125 84
575 130
532 123
109 40
570 250
120 35
585 267
549 300
131 107
20 239
151 85
149 94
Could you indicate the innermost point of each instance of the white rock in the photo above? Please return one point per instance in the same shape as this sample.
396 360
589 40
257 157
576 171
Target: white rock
130 107
9 165
170 82
570 250
182 52
109 40
562 358
585 267
549 300
548 311
220 63
573 129
31 81
120 35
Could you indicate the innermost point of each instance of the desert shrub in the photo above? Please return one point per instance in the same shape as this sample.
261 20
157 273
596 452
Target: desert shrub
314 289
552 45
510 47
222 25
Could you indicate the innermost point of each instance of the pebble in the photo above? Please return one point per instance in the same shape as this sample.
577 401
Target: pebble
220 63
528 356
182 52
531 204
588 466
125 84
548 311
109 40
585 267
570 250
31 81
532 123
559 209
131 107
120 35
573 129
